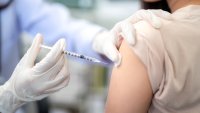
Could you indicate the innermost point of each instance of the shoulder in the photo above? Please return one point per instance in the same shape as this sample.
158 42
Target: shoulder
150 50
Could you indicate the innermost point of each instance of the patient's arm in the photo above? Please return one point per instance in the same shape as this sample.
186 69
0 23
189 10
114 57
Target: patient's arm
130 90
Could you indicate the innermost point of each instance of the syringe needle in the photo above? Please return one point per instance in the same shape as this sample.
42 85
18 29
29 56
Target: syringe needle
75 55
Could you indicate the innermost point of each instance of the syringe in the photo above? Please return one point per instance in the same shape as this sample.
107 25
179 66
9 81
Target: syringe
76 55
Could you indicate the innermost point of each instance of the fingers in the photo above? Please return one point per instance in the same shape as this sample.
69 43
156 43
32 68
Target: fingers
52 72
153 19
51 58
33 51
146 15
116 29
162 14
128 32
62 85
108 43
61 80
112 53
105 43
152 16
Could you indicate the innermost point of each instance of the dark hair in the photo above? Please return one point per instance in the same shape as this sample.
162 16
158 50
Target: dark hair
155 5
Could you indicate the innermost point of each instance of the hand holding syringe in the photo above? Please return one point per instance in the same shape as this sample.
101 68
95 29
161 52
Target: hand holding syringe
76 55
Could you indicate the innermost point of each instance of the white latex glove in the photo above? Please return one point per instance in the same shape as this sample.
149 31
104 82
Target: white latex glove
108 42
30 82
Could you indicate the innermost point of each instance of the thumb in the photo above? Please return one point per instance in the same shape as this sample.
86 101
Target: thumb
52 57
34 50
112 53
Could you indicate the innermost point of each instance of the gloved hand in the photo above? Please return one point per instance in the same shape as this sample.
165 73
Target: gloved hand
108 42
30 82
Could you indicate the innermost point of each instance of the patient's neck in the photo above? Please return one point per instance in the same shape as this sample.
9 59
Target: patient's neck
177 4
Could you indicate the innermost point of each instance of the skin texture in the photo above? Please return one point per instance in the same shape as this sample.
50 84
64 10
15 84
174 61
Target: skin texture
130 90
177 4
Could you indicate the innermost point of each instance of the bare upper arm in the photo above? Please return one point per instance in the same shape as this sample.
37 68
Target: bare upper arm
130 90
